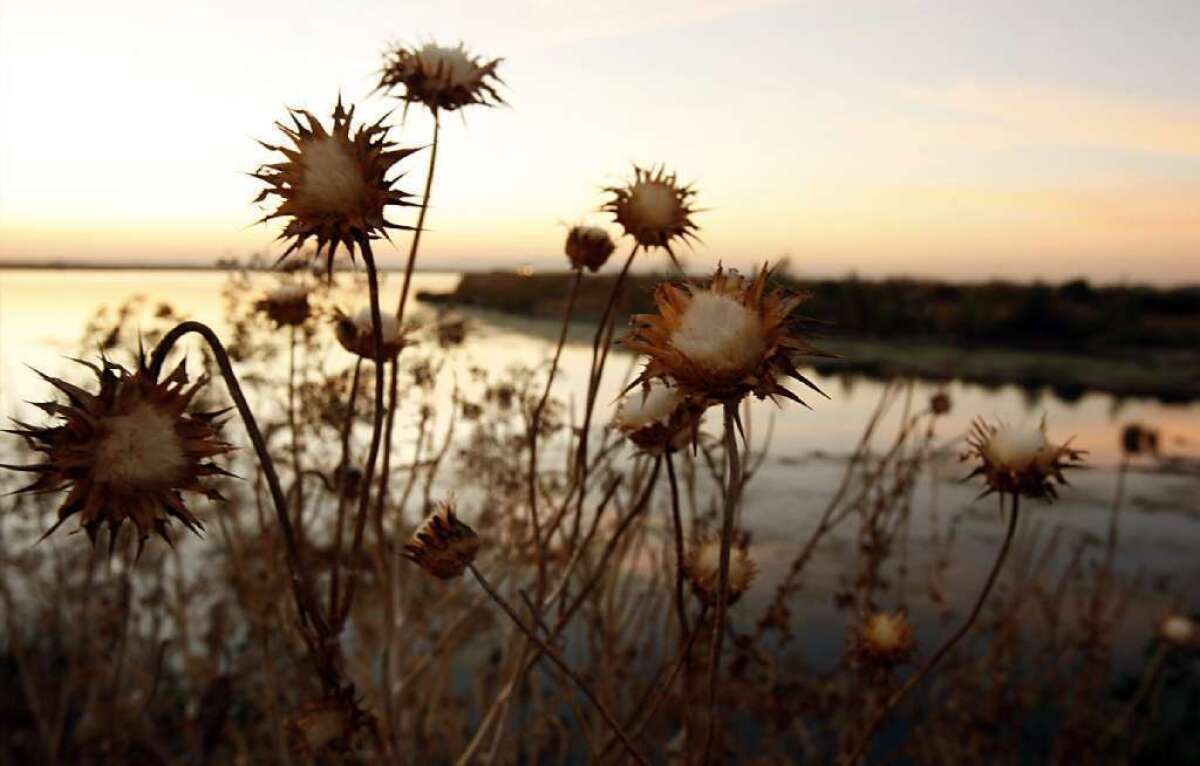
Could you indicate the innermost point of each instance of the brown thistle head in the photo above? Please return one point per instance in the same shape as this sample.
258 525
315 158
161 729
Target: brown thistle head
443 546
657 418
356 334
327 724
884 639
286 305
654 208
126 452
1019 460
588 247
332 185
440 77
702 567
1180 631
721 341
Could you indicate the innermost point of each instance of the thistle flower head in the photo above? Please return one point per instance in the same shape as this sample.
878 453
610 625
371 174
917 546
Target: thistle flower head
440 77
451 330
286 305
654 208
326 724
1137 438
885 639
332 185
127 451
721 341
656 417
940 403
1180 630
356 334
588 247
443 546
702 566
1019 460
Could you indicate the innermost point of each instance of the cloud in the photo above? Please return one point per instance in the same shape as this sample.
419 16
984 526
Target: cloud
1046 114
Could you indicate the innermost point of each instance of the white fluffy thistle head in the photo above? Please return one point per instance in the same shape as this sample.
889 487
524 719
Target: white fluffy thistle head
719 333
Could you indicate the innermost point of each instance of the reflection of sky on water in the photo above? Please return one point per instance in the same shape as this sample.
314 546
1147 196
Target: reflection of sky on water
42 315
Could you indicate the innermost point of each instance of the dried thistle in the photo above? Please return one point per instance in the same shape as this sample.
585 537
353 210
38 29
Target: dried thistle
654 208
443 546
884 639
1180 630
356 334
333 185
588 247
1019 461
702 567
657 418
286 305
720 342
328 723
440 77
127 451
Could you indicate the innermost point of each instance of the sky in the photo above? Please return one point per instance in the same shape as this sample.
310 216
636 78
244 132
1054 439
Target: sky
963 139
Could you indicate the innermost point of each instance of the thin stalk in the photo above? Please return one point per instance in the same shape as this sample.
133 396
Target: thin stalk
343 463
302 585
945 648
680 604
416 239
535 422
557 659
297 470
364 499
597 370
733 480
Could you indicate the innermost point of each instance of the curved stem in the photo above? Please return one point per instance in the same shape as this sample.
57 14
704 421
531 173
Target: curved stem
946 646
557 659
364 498
733 481
416 239
301 579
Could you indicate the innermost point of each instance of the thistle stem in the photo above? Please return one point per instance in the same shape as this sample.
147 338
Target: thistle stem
946 646
535 422
302 585
416 239
733 481
680 604
364 499
343 463
557 659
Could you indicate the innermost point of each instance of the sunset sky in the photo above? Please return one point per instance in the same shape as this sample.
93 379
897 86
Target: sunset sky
956 139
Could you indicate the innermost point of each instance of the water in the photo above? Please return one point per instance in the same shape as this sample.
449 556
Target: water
43 312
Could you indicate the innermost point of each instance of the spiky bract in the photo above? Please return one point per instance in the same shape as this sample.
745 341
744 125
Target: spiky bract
443 546
1019 461
721 341
440 77
333 185
127 451
654 208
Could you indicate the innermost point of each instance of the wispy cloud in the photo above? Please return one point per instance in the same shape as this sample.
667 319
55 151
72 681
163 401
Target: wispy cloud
1050 114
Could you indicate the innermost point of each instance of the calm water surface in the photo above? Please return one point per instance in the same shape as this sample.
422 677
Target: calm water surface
42 314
